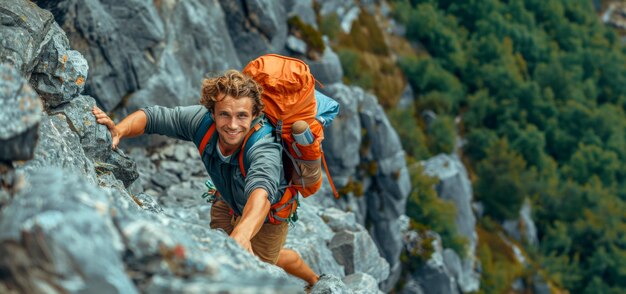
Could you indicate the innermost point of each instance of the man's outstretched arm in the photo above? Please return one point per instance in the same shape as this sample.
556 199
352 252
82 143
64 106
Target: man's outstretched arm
131 126
252 218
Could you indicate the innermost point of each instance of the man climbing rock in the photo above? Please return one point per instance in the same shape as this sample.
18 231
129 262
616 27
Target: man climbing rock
232 103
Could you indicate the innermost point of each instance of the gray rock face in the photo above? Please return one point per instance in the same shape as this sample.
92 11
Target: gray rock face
329 285
310 237
303 9
22 29
386 200
386 182
20 113
121 166
96 139
347 10
343 137
540 286
362 283
328 68
357 253
339 220
388 238
167 48
60 73
433 276
39 48
523 229
197 43
256 26
384 143
412 287
296 46
59 147
62 237
455 186
406 100
99 30
147 202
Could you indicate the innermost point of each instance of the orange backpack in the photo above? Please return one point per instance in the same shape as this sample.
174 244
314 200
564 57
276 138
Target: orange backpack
289 95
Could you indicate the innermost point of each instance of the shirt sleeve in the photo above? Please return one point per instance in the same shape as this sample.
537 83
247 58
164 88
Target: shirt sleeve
179 122
266 168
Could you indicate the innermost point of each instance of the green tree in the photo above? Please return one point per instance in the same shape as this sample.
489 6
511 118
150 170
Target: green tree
426 75
434 213
592 161
499 186
411 135
442 135
439 34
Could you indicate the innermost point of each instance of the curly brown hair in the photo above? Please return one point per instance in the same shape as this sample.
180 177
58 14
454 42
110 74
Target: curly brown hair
235 84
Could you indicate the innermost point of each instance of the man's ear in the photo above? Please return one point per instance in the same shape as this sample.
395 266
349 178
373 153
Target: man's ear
211 115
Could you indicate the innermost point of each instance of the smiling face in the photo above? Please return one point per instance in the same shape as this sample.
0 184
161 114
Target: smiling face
232 122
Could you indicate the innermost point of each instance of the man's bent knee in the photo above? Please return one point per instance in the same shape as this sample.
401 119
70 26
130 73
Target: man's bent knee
288 256
269 241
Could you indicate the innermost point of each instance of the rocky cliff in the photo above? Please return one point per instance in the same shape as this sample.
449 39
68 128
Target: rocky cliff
76 216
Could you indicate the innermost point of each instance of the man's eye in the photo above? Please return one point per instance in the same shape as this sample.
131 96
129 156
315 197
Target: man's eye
242 116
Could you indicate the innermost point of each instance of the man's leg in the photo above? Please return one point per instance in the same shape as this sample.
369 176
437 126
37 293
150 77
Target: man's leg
268 246
293 264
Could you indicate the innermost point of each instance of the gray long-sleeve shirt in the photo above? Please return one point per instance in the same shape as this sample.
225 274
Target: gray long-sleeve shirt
265 157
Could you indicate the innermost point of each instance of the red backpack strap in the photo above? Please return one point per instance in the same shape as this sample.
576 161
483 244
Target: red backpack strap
204 132
205 139
244 150
330 180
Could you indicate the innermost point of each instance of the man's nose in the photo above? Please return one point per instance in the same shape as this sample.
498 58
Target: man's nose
232 123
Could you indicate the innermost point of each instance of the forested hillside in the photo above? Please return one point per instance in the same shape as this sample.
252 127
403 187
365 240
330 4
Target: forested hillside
540 90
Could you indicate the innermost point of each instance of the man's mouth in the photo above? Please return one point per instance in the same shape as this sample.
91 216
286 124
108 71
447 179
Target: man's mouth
232 133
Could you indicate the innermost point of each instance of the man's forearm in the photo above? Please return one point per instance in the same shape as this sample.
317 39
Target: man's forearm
253 216
133 125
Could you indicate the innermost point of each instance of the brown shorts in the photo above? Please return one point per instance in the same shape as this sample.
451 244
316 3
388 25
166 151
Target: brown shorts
267 242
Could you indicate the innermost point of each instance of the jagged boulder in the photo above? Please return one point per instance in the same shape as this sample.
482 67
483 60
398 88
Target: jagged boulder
96 139
339 220
61 237
256 26
330 285
454 186
58 147
361 283
23 28
60 73
20 114
327 69
357 253
145 52
431 276
523 229
344 135
310 237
